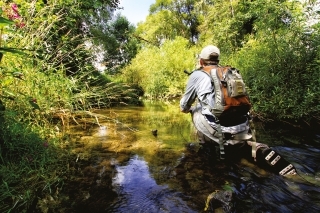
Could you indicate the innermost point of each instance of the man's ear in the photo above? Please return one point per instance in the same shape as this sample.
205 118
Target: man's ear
201 62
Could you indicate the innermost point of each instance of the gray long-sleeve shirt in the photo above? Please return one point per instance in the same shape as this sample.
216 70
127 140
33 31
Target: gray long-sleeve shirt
199 86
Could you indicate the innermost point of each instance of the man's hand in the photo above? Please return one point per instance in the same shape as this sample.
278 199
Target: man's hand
185 111
188 110
192 109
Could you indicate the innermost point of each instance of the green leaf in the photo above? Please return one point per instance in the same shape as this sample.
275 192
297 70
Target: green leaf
18 75
4 21
12 50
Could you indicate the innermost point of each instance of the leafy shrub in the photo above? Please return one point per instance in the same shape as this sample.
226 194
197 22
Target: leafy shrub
159 70
282 71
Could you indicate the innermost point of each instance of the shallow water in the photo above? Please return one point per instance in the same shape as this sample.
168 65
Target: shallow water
139 192
124 167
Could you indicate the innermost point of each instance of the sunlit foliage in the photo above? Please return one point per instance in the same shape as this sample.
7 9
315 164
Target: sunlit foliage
170 18
160 71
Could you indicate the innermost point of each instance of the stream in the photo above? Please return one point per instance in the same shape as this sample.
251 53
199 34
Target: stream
147 160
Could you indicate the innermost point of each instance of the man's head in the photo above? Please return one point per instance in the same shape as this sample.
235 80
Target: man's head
209 55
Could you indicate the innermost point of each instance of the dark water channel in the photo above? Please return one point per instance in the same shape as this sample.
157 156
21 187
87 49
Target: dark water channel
123 166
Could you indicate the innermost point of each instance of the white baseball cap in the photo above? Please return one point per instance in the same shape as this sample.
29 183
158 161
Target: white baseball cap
208 50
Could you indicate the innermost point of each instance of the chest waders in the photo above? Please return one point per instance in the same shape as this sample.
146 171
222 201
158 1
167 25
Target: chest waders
217 133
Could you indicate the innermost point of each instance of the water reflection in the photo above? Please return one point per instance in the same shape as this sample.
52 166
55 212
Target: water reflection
139 192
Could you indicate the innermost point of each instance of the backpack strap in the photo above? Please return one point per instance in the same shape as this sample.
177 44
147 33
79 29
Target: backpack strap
218 96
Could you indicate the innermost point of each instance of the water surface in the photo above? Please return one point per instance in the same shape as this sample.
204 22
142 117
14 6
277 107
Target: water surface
126 167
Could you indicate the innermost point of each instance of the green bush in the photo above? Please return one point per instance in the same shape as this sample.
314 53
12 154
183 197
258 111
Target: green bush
282 73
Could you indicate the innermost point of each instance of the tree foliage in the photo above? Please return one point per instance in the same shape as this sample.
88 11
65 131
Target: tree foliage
118 44
280 61
169 19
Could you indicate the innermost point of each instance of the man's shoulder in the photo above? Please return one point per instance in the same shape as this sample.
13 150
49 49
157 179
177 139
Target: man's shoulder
199 72
200 77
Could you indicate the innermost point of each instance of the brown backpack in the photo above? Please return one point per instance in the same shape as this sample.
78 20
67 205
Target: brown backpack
231 98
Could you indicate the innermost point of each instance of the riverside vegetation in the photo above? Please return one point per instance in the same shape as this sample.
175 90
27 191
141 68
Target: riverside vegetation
61 59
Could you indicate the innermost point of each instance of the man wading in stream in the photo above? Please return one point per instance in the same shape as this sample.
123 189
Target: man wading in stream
226 127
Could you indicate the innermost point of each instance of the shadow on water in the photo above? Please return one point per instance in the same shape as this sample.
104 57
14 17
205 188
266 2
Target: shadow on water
123 166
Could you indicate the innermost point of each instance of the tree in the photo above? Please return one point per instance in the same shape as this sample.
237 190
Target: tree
118 43
168 19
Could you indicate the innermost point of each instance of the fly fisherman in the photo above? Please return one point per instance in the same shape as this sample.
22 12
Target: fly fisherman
230 130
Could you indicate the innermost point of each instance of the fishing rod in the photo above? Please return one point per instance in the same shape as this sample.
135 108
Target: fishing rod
187 72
